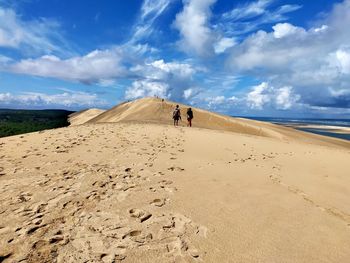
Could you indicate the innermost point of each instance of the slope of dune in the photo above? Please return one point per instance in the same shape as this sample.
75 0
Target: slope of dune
128 187
155 110
142 192
81 117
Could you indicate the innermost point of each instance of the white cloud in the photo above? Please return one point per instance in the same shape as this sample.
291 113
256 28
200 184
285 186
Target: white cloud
192 23
343 58
285 99
220 103
250 16
40 36
66 99
294 48
313 61
147 88
171 78
285 29
150 11
182 70
107 82
321 29
248 10
5 97
216 100
153 8
223 44
258 97
103 67
276 51
281 98
91 68
4 60
188 93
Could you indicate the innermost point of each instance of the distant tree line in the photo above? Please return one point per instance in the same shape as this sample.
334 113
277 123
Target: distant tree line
13 122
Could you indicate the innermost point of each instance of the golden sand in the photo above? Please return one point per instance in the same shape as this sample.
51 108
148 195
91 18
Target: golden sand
129 187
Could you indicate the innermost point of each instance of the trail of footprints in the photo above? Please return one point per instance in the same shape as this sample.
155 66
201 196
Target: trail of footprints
84 213
277 178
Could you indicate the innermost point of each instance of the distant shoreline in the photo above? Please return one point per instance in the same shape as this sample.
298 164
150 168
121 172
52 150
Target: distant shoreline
336 128
328 128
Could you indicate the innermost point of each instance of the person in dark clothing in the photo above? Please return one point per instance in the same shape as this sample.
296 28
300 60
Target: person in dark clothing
189 117
176 115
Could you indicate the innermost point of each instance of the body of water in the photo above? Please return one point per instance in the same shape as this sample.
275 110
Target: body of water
294 122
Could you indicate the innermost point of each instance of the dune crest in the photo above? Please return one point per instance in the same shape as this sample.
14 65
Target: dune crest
158 111
83 116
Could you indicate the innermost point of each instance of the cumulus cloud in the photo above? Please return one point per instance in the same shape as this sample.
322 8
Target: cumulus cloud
223 44
188 93
174 77
160 70
285 98
181 70
289 46
286 29
94 67
281 98
102 67
343 59
310 60
221 103
147 88
66 99
258 97
193 26
39 36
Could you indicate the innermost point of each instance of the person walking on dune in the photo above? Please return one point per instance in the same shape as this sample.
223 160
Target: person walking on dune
189 117
176 115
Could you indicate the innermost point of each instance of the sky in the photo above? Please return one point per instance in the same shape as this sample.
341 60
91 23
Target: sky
277 58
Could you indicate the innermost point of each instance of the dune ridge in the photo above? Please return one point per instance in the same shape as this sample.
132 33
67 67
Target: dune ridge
81 117
155 110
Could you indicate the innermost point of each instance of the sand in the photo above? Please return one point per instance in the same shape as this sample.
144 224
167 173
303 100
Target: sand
81 117
144 192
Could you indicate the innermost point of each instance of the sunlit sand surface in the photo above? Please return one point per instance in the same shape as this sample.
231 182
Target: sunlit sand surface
128 186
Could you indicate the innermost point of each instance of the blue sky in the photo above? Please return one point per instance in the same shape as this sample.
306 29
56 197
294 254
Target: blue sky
253 58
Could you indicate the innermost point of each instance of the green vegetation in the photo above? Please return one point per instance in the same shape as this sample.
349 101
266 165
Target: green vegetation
13 122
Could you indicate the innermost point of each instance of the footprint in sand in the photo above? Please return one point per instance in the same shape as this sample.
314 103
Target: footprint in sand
24 197
140 214
3 257
165 182
159 202
112 258
164 185
176 169
138 236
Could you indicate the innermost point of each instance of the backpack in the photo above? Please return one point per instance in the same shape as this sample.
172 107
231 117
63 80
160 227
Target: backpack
176 113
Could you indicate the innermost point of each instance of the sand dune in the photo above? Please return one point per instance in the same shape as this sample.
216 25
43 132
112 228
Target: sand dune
154 110
132 191
83 116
